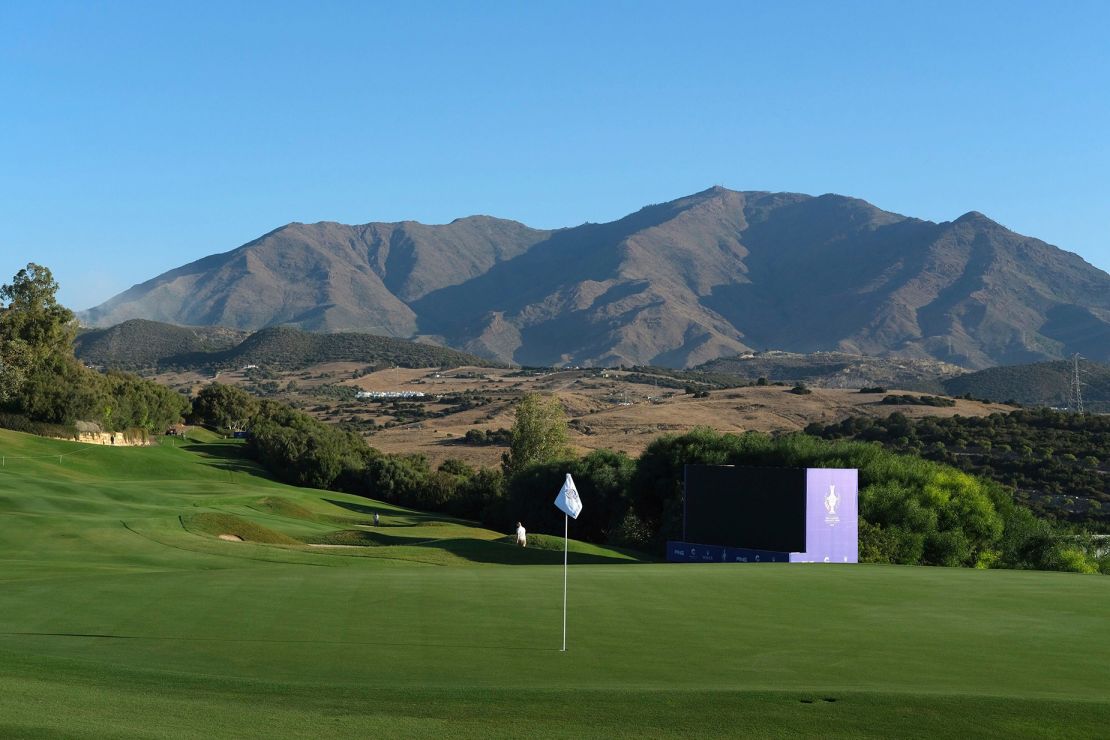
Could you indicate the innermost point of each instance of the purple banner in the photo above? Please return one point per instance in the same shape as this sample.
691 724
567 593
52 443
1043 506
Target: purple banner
832 517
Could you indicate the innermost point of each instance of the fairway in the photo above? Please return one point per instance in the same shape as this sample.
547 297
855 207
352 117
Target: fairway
123 614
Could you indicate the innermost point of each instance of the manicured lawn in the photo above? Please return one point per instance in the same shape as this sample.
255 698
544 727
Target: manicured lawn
123 614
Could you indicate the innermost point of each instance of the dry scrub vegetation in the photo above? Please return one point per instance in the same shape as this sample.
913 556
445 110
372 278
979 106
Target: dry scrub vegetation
607 409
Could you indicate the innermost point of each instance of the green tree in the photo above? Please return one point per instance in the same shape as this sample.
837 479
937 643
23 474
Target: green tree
35 330
34 317
13 368
224 407
539 434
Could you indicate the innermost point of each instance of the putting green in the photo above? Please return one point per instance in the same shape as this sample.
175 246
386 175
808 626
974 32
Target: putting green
123 614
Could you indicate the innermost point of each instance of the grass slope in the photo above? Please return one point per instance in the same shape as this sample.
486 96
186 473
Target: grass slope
116 620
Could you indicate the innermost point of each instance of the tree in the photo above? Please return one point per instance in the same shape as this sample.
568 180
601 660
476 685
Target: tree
34 328
224 407
13 367
539 434
34 317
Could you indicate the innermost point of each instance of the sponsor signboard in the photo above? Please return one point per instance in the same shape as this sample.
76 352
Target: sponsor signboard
832 517
830 520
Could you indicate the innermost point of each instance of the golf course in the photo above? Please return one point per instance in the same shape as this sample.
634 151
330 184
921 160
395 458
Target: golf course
177 591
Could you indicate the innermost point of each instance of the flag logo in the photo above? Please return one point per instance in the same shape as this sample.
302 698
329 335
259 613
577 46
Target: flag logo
567 501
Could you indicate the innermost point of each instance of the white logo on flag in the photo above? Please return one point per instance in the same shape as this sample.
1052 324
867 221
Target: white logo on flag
567 501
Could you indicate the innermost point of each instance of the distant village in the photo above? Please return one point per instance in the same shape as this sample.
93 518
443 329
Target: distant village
389 394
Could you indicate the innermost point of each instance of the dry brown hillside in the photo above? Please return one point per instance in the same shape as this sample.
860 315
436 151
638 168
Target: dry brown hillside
605 410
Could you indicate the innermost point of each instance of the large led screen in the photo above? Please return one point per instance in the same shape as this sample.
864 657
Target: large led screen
757 508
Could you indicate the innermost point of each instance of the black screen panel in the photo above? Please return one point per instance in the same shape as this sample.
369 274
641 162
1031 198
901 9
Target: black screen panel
760 508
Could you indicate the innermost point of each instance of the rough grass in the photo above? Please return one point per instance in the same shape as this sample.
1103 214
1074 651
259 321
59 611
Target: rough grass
284 507
216 524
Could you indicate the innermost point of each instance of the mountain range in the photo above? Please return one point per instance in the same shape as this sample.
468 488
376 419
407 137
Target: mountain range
714 274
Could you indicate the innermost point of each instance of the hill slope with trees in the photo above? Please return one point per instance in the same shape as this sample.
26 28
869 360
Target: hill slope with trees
1056 462
151 345
139 344
1038 384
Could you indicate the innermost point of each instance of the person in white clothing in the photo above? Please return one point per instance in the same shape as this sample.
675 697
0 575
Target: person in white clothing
521 535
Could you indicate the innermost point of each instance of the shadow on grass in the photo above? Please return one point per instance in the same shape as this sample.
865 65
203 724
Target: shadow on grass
500 551
230 456
398 515
239 639
505 552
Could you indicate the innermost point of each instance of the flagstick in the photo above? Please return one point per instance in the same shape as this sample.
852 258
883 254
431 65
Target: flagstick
566 545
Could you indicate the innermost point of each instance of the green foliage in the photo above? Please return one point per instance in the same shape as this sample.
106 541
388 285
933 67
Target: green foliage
41 381
224 407
301 450
539 434
14 361
602 478
139 344
284 347
632 532
1052 459
129 402
35 333
912 511
1037 384
488 437
689 381
908 400
33 317
398 479
22 423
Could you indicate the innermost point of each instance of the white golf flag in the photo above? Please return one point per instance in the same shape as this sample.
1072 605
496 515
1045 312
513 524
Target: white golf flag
567 501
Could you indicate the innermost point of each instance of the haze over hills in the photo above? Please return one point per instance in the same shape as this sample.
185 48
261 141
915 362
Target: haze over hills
710 275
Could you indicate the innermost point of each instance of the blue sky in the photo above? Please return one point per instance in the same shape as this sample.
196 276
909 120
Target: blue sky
136 137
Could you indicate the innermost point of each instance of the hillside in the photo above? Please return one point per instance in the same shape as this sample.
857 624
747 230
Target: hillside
139 344
1038 384
714 274
1055 461
323 277
287 347
606 409
835 370
143 345
124 614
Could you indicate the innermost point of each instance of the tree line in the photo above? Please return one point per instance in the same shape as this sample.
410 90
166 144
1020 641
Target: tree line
912 511
1055 461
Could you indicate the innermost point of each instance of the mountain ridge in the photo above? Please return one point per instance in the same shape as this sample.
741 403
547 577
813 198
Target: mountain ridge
712 274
